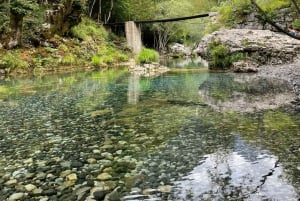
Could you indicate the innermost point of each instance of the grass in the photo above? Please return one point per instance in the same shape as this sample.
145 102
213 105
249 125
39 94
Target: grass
147 56
89 30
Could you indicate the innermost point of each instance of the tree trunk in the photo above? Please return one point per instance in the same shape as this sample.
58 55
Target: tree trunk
99 11
15 35
110 10
92 8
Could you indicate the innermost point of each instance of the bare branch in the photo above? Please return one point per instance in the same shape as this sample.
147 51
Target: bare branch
271 22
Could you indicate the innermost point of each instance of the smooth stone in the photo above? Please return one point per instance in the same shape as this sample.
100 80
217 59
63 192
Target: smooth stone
50 192
107 146
11 182
91 160
165 189
37 191
44 199
16 196
96 151
82 192
107 155
150 191
41 175
134 197
104 176
76 164
65 173
119 152
108 170
29 160
69 183
65 164
30 187
115 195
99 195
72 177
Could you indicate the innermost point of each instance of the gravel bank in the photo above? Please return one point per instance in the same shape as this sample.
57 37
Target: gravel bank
289 72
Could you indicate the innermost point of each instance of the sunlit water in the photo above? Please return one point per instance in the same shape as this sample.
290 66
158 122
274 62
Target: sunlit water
204 136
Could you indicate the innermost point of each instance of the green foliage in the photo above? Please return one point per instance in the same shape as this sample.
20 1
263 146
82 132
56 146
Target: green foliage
88 30
272 5
221 57
12 61
232 12
97 60
147 56
296 24
22 7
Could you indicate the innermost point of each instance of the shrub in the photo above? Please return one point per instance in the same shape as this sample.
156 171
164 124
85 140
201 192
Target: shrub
97 60
147 56
221 57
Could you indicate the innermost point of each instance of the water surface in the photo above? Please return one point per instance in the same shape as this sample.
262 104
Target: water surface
205 136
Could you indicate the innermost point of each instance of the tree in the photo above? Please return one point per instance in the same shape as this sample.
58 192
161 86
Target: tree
18 9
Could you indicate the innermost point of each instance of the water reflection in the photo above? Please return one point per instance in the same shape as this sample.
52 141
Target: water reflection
133 88
244 173
190 62
245 93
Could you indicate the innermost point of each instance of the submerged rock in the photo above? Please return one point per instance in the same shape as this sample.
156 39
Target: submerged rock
148 70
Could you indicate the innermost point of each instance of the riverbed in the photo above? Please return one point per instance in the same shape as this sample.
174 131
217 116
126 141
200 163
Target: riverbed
183 135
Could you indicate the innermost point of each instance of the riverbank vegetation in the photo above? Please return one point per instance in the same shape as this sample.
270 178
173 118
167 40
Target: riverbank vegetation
39 34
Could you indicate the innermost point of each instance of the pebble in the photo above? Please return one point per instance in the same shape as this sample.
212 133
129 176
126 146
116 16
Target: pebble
30 187
104 176
16 196
72 177
11 182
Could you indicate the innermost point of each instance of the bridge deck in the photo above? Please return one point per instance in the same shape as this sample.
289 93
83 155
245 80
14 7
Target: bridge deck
163 20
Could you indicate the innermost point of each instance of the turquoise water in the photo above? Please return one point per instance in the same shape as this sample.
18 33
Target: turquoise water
205 136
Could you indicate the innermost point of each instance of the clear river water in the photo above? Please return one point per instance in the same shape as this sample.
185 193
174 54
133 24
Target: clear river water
184 135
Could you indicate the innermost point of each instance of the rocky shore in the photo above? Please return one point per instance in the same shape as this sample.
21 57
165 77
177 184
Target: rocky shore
268 53
288 72
258 47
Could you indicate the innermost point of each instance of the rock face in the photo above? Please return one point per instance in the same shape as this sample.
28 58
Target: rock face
284 17
260 47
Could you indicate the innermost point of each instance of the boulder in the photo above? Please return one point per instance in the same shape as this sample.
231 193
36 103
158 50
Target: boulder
260 47
178 50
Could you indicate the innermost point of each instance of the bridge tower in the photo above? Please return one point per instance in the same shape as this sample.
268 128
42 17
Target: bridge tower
133 36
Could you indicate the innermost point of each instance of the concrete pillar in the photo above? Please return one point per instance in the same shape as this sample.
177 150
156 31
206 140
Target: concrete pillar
133 36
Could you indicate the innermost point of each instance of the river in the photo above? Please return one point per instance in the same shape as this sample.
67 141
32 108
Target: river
184 135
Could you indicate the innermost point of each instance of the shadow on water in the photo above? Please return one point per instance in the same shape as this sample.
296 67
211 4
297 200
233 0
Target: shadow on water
183 136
